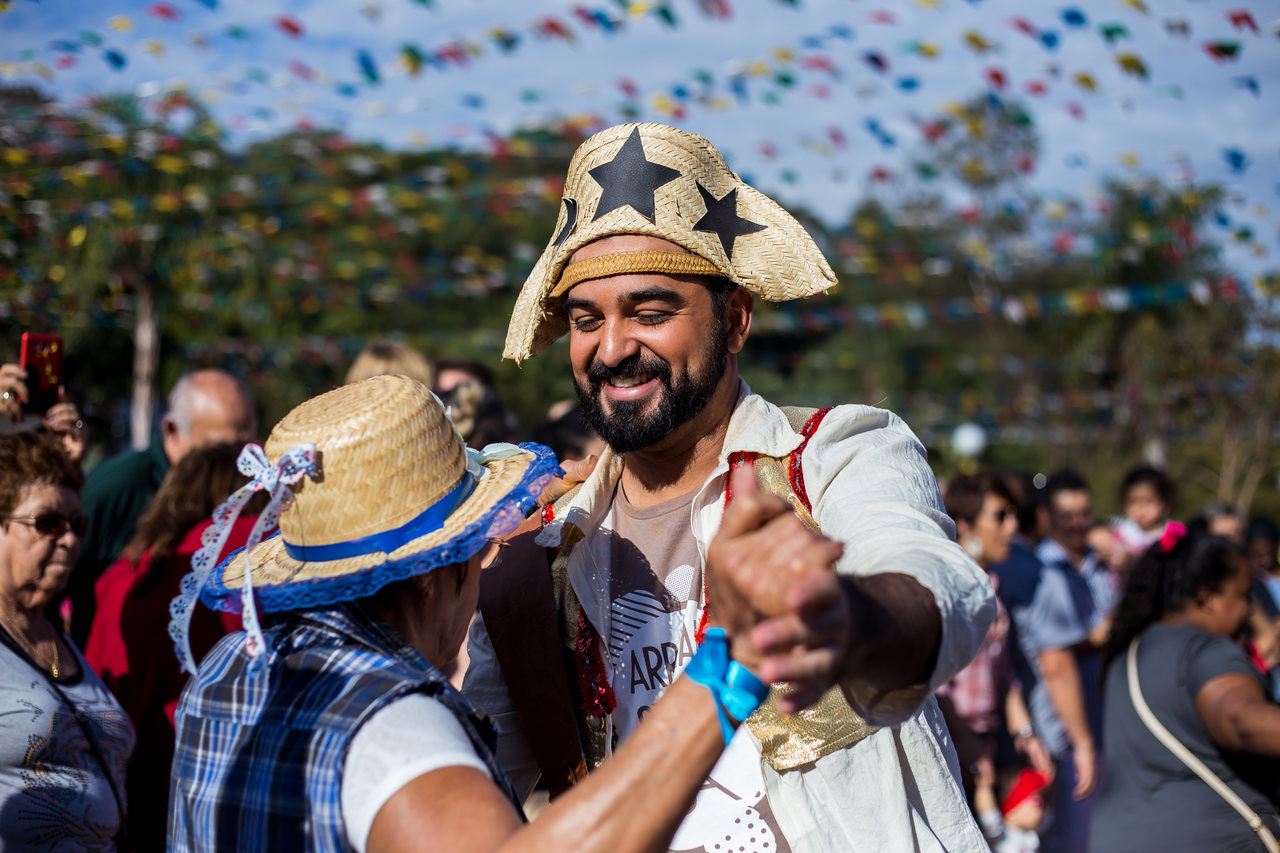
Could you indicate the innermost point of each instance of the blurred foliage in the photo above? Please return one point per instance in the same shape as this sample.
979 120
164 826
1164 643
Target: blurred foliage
280 261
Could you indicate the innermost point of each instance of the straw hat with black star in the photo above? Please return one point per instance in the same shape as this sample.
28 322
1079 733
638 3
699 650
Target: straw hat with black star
659 181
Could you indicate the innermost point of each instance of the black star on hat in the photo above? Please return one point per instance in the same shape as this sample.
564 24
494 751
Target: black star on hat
630 179
570 220
722 218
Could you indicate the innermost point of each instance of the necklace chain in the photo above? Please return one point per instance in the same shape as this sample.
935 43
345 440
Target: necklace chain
25 641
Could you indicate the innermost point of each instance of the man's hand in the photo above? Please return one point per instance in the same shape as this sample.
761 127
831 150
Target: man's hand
1037 754
1086 770
761 563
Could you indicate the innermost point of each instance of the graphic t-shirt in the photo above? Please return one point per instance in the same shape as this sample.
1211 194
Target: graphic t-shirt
656 597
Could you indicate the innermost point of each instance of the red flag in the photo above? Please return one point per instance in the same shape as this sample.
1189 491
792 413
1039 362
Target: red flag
995 78
1075 109
163 10
1242 19
290 26
1022 25
934 130
1036 87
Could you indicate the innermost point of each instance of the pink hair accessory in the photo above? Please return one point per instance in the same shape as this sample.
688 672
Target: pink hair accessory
1173 531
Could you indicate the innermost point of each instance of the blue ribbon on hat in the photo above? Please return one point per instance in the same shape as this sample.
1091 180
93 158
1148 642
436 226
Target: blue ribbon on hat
428 521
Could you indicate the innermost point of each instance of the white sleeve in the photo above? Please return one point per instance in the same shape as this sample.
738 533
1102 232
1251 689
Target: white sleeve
408 738
871 488
484 685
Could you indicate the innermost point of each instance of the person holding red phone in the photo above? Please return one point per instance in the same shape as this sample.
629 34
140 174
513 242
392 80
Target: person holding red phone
63 419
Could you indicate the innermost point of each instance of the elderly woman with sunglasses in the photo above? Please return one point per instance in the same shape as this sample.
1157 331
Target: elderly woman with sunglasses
64 740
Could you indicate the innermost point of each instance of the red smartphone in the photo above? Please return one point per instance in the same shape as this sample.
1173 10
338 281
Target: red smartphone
41 357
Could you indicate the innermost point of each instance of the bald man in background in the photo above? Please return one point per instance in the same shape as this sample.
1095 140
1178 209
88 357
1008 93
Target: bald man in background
204 407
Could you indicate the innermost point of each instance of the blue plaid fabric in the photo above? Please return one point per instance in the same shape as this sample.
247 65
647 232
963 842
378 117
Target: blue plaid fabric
260 751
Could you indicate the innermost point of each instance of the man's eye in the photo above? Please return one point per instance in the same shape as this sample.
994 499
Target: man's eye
653 317
585 324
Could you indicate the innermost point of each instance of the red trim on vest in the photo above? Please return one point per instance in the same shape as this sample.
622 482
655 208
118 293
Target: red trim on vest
795 473
548 513
593 677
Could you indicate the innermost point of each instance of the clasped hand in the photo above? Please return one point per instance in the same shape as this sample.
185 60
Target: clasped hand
772 587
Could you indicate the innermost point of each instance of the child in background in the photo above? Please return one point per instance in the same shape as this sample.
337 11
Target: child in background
1013 826
1147 495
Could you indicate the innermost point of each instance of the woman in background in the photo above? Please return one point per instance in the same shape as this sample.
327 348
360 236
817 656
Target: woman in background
64 739
129 643
1181 605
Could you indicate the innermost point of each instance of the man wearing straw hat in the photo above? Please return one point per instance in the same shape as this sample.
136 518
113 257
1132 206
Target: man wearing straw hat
656 258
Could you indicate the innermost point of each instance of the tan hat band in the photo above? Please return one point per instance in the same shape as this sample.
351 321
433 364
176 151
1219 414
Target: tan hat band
670 263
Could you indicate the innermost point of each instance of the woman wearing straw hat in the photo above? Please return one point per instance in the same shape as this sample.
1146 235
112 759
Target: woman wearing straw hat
330 727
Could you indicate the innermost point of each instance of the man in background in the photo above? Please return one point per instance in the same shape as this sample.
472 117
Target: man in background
204 407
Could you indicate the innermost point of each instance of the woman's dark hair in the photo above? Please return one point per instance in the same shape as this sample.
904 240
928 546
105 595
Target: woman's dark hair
1163 583
966 493
1155 478
30 458
191 491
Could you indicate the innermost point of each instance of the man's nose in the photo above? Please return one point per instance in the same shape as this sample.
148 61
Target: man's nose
616 342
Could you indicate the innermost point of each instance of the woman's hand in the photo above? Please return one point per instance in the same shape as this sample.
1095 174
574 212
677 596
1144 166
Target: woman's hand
576 471
64 421
13 391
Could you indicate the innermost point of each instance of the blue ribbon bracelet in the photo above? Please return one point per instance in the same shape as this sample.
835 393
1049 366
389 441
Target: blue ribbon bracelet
736 691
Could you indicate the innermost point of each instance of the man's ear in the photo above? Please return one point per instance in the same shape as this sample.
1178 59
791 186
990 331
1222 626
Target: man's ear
739 309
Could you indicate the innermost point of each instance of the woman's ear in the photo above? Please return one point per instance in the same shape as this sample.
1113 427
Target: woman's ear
424 584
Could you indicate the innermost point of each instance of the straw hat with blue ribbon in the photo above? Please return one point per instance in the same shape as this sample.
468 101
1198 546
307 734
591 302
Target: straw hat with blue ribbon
370 484
659 181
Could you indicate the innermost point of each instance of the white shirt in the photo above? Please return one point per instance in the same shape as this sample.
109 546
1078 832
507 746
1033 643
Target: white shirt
408 738
870 488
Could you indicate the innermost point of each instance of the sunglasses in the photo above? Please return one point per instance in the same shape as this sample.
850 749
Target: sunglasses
52 524
1005 512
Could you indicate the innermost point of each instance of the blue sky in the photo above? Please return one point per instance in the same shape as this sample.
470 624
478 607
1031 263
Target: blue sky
1176 123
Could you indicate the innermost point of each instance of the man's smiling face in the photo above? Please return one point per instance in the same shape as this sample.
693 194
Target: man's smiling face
647 349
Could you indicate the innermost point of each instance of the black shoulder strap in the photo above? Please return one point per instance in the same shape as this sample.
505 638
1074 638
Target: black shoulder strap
518 603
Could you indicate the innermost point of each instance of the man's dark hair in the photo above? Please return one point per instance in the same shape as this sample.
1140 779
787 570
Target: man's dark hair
721 289
1262 528
1065 480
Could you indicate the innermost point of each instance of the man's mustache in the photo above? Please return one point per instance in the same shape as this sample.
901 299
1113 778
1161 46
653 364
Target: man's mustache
599 372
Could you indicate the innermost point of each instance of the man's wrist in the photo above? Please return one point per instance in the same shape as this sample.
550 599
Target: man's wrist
852 651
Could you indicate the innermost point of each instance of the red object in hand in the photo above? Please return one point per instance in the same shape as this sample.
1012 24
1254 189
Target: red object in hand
1029 783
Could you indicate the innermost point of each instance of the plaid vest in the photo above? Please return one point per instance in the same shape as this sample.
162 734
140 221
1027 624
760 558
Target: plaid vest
260 753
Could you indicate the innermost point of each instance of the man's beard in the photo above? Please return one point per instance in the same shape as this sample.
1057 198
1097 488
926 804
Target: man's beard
627 427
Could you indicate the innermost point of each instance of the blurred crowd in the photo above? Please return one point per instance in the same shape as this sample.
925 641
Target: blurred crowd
1053 749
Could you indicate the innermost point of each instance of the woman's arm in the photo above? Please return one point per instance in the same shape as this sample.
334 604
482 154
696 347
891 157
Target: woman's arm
634 802
1237 715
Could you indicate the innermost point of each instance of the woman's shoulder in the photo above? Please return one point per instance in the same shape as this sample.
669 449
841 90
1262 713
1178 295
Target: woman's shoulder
1200 655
